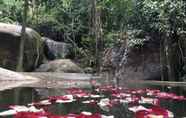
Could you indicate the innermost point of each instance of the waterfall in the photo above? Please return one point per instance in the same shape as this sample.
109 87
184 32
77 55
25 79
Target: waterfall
123 61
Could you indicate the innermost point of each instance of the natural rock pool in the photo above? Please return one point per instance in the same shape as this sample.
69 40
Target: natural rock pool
139 101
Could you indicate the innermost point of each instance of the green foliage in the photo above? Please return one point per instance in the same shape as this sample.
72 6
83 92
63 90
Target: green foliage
117 14
165 14
86 52
69 20
10 11
111 39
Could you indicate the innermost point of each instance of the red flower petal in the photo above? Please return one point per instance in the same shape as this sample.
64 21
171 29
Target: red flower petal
142 114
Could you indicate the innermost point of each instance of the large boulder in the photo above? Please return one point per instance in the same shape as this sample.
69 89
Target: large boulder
10 36
142 63
55 50
60 65
134 62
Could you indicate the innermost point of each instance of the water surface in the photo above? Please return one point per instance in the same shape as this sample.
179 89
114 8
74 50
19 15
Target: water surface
25 95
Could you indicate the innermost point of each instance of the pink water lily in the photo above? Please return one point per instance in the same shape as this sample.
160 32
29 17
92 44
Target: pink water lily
82 115
109 89
137 108
133 99
48 115
106 104
105 97
159 111
136 91
152 92
164 95
89 115
121 95
179 98
153 101
96 96
31 115
14 109
154 112
18 108
41 103
142 114
90 102
61 99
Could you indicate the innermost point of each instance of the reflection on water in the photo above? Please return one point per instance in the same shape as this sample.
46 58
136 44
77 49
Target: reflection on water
23 96
18 96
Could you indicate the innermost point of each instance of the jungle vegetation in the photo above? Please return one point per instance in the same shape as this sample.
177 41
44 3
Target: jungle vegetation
93 25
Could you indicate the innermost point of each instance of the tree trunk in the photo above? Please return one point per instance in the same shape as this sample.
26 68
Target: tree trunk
182 46
92 18
169 55
163 61
98 36
23 38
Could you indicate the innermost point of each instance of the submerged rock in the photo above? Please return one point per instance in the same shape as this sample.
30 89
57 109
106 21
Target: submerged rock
60 65
88 70
10 36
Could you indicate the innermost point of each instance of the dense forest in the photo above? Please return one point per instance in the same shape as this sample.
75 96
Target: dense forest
92 26
93 58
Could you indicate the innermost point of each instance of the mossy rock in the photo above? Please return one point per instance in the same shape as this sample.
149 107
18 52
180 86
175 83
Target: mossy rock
60 65
10 37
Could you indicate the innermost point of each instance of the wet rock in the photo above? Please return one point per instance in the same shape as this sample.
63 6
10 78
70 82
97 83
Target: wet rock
10 79
136 62
55 50
60 65
7 75
10 36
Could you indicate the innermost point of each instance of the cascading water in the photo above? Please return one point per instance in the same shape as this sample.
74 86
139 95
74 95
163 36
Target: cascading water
122 62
